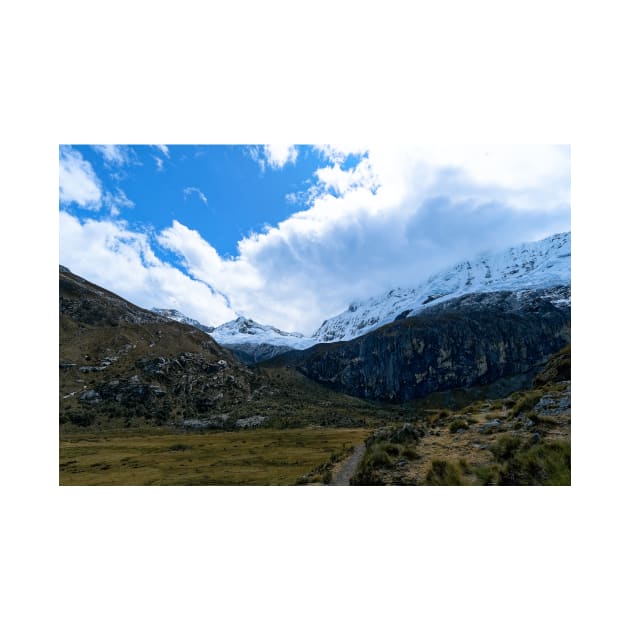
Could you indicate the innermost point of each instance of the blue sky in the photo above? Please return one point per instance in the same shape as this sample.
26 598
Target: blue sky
223 192
290 234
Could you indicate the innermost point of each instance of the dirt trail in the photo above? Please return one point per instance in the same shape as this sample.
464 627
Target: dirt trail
343 473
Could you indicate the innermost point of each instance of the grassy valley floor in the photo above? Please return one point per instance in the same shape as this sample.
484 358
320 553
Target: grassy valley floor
250 457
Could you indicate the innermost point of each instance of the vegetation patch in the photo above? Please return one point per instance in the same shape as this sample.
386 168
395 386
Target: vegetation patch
521 462
458 425
386 449
542 464
322 474
254 457
444 473
525 403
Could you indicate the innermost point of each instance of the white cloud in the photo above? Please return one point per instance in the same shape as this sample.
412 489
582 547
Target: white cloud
111 255
159 161
117 200
274 155
400 214
191 189
78 182
114 154
337 154
277 155
394 217
341 181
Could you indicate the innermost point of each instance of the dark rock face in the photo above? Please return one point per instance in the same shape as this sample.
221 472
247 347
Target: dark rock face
473 340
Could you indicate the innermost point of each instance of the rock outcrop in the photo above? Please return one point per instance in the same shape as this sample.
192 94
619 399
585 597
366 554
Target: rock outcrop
468 341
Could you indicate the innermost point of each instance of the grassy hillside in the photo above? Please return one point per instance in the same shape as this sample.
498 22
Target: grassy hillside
523 439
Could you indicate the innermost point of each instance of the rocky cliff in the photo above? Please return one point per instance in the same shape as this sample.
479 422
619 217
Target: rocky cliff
471 340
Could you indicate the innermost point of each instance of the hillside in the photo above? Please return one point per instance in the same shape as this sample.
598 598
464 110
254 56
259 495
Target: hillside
123 366
522 439
118 361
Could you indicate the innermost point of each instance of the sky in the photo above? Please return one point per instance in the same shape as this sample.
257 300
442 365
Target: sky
289 235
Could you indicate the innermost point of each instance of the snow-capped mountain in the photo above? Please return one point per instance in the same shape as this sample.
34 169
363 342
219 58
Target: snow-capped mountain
539 265
246 331
544 264
175 315
253 342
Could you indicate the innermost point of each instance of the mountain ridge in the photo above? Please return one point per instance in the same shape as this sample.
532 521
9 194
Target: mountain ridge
178 316
540 264
470 340
543 264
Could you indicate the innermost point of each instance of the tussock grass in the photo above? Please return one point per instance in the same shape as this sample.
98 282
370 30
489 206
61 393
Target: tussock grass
546 464
521 463
525 403
444 473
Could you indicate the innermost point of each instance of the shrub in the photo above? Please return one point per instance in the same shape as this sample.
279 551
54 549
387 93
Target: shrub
409 453
444 473
379 455
505 447
80 418
542 464
488 475
525 403
457 424
375 457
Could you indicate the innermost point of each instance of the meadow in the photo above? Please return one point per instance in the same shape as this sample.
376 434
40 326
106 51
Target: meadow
250 457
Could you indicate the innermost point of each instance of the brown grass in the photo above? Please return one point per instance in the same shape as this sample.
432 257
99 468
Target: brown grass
256 457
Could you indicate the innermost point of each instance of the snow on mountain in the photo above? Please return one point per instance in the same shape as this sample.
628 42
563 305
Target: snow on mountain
247 331
539 265
175 315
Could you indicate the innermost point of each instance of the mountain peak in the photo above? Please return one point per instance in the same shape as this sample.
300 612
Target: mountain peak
538 265
242 329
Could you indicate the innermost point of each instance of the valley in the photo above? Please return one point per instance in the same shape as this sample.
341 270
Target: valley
472 388
254 457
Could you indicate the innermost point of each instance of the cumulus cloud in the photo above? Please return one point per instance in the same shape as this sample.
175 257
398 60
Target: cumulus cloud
390 217
78 182
394 218
190 190
277 155
112 255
